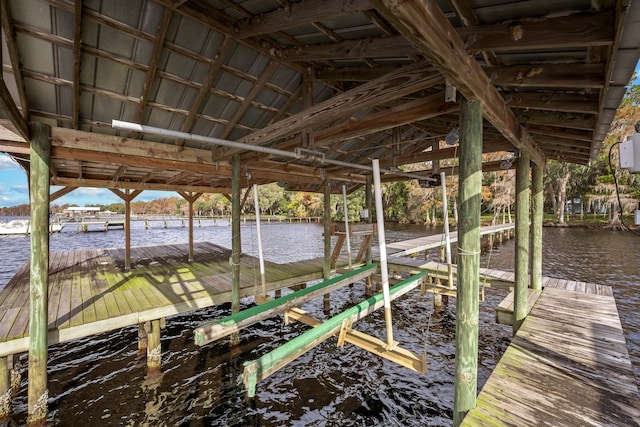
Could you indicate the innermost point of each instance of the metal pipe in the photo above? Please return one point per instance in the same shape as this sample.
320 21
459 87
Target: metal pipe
260 253
151 130
383 253
346 223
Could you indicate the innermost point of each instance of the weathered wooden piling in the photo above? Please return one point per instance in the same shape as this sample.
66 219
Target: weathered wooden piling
154 352
40 152
5 388
537 213
326 270
521 269
235 240
467 304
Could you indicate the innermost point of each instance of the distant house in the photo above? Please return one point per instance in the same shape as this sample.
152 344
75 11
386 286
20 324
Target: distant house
80 211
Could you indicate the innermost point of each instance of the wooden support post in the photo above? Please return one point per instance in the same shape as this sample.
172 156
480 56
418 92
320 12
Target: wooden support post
190 197
143 337
467 302
537 211
5 388
235 241
154 352
522 242
40 152
368 202
127 196
326 267
127 231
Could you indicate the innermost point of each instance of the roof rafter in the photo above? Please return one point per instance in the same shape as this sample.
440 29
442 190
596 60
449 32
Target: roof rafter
77 48
394 85
153 63
7 104
577 30
303 12
430 31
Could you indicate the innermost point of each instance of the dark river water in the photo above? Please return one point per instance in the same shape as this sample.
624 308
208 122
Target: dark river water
102 380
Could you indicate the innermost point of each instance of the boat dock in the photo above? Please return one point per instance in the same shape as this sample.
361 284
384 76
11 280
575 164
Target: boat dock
421 244
568 365
91 292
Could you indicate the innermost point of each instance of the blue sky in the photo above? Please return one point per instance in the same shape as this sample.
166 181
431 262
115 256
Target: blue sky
14 190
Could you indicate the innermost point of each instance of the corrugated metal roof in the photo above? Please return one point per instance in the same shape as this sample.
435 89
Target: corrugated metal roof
225 68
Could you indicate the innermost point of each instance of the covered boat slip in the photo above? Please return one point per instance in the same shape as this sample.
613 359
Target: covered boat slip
309 94
568 365
90 291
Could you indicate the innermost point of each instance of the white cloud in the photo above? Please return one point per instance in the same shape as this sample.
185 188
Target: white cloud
7 163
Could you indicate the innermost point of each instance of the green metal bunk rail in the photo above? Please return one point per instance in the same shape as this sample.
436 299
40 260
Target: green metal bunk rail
216 329
261 368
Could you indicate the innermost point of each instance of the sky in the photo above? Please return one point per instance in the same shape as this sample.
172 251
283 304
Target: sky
15 191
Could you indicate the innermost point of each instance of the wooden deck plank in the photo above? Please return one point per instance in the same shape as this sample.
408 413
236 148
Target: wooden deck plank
6 322
567 365
76 300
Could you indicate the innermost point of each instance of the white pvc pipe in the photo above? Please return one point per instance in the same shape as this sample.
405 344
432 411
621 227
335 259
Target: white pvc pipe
346 223
383 252
260 253
151 130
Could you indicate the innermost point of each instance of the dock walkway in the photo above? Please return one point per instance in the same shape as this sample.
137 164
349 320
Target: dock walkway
420 244
91 292
568 365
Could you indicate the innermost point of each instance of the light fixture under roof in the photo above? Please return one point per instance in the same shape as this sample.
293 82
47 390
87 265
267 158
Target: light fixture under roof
453 137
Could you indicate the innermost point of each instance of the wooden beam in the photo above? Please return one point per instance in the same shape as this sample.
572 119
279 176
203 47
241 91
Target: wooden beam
421 109
153 63
297 14
77 48
61 192
579 76
465 13
354 74
426 27
386 47
14 57
552 101
105 183
8 106
581 135
579 30
571 31
203 92
405 81
265 75
563 120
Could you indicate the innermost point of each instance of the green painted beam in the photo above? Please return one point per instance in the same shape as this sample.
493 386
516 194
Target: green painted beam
261 368
219 328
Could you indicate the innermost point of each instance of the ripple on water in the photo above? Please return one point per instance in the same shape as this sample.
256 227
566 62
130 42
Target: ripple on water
102 380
